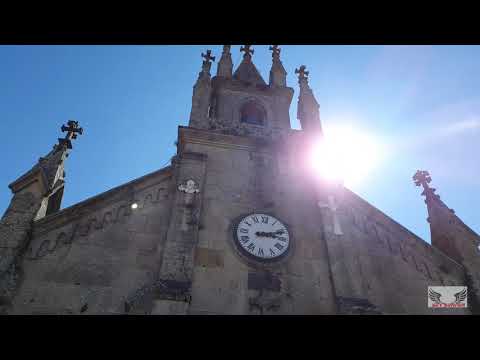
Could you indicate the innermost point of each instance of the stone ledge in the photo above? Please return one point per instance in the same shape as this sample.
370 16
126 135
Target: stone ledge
357 306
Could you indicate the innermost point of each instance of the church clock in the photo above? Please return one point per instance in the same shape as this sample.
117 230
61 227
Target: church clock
262 237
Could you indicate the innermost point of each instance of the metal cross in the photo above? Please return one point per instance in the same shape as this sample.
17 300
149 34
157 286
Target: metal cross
337 230
302 74
72 130
275 50
246 49
208 56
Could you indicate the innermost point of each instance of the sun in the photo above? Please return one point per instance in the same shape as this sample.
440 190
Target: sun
346 155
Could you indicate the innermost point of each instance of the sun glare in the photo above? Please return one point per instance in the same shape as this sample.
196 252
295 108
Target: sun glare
346 155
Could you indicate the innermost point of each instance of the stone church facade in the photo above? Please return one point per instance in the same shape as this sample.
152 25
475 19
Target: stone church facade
237 224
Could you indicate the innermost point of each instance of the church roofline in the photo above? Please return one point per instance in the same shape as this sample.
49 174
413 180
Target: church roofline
44 223
428 246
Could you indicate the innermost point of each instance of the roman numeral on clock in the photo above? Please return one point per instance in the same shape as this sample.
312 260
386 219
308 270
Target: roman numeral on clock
244 239
245 231
272 252
255 219
265 219
260 251
279 246
251 247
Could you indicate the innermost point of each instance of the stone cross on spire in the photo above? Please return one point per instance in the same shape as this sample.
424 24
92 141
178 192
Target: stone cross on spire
278 75
248 52
423 178
302 74
275 51
201 93
308 109
207 63
208 56
72 130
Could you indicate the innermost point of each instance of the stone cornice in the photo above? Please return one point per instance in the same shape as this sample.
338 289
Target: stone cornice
247 143
97 202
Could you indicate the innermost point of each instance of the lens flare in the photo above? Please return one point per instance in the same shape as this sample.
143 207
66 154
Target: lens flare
345 155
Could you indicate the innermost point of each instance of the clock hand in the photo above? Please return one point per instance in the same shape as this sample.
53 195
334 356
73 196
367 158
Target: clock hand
265 234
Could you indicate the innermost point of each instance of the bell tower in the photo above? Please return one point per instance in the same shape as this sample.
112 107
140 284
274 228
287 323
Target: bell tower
242 103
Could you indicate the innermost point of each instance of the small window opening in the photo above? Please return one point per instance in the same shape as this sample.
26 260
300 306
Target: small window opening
252 113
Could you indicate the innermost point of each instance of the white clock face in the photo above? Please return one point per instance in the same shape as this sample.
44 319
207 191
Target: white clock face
262 236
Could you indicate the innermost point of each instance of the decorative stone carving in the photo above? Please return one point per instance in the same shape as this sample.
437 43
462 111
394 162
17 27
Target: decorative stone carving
207 63
189 187
247 51
86 225
331 205
302 74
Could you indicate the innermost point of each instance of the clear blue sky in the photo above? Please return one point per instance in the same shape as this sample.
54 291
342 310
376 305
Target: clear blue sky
424 101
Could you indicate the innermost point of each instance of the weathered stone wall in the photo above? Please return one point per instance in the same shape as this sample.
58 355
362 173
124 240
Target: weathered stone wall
378 261
175 254
242 177
377 266
230 95
99 256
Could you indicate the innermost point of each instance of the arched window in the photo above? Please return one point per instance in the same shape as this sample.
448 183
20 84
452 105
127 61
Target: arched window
252 113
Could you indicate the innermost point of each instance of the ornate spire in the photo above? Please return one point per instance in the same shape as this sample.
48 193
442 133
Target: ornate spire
278 75
423 178
302 75
51 166
275 52
225 64
207 63
448 232
201 93
246 71
308 109
36 194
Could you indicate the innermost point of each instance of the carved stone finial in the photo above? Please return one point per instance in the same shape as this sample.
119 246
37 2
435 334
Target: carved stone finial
302 74
189 187
248 52
422 178
275 51
208 56
206 65
72 130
